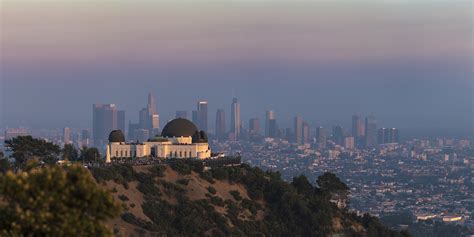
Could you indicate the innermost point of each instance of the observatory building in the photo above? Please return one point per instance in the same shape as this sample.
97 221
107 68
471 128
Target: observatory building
180 138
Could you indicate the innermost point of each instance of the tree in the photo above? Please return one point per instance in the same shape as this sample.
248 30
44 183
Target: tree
70 153
89 154
54 201
337 191
27 147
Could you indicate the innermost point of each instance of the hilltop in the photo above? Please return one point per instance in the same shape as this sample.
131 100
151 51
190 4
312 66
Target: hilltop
183 199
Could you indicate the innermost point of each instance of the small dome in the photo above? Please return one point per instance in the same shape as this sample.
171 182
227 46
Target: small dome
116 136
179 127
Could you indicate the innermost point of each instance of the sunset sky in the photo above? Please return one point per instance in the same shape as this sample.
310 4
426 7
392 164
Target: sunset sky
408 62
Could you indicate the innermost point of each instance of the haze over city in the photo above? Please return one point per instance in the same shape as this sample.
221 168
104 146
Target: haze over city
407 62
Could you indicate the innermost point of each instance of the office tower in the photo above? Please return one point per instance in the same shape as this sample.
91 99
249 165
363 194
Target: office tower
151 105
131 130
220 124
321 137
272 128
306 133
85 138
66 135
153 116
349 142
235 118
104 120
382 136
143 118
182 114
338 135
357 126
15 132
254 126
358 130
200 115
394 135
370 131
269 115
298 130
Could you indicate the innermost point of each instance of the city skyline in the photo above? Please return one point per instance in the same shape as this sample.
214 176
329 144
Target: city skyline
408 62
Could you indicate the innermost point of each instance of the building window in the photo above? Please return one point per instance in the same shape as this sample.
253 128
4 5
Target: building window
180 154
175 154
116 153
171 154
126 153
121 153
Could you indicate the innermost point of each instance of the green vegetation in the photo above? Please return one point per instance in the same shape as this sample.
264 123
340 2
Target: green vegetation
236 195
211 190
275 207
90 155
123 197
25 148
70 153
54 201
183 182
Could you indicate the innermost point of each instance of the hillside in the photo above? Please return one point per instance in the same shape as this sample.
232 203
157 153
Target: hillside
184 200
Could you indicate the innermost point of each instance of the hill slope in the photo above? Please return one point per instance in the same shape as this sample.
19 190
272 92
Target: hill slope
184 200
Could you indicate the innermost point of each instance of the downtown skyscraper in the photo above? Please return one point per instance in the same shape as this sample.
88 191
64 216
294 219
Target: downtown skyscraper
148 122
105 118
235 125
271 127
220 124
370 131
200 115
321 137
358 130
298 130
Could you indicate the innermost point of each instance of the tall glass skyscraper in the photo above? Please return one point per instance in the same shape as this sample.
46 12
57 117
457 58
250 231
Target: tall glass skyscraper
235 118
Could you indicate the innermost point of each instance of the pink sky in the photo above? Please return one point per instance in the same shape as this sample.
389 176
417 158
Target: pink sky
203 32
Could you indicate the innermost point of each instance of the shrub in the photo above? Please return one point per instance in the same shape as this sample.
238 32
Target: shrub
211 190
123 197
217 201
158 170
236 195
184 182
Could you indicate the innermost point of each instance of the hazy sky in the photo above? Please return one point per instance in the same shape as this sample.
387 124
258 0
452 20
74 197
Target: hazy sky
408 62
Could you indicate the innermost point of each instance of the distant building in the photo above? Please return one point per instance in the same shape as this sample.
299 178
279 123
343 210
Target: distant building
67 136
220 124
254 126
200 115
182 114
382 136
357 126
370 131
338 135
179 139
15 132
321 137
394 136
105 118
358 130
269 115
349 143
298 130
85 138
272 128
235 122
306 133
148 119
